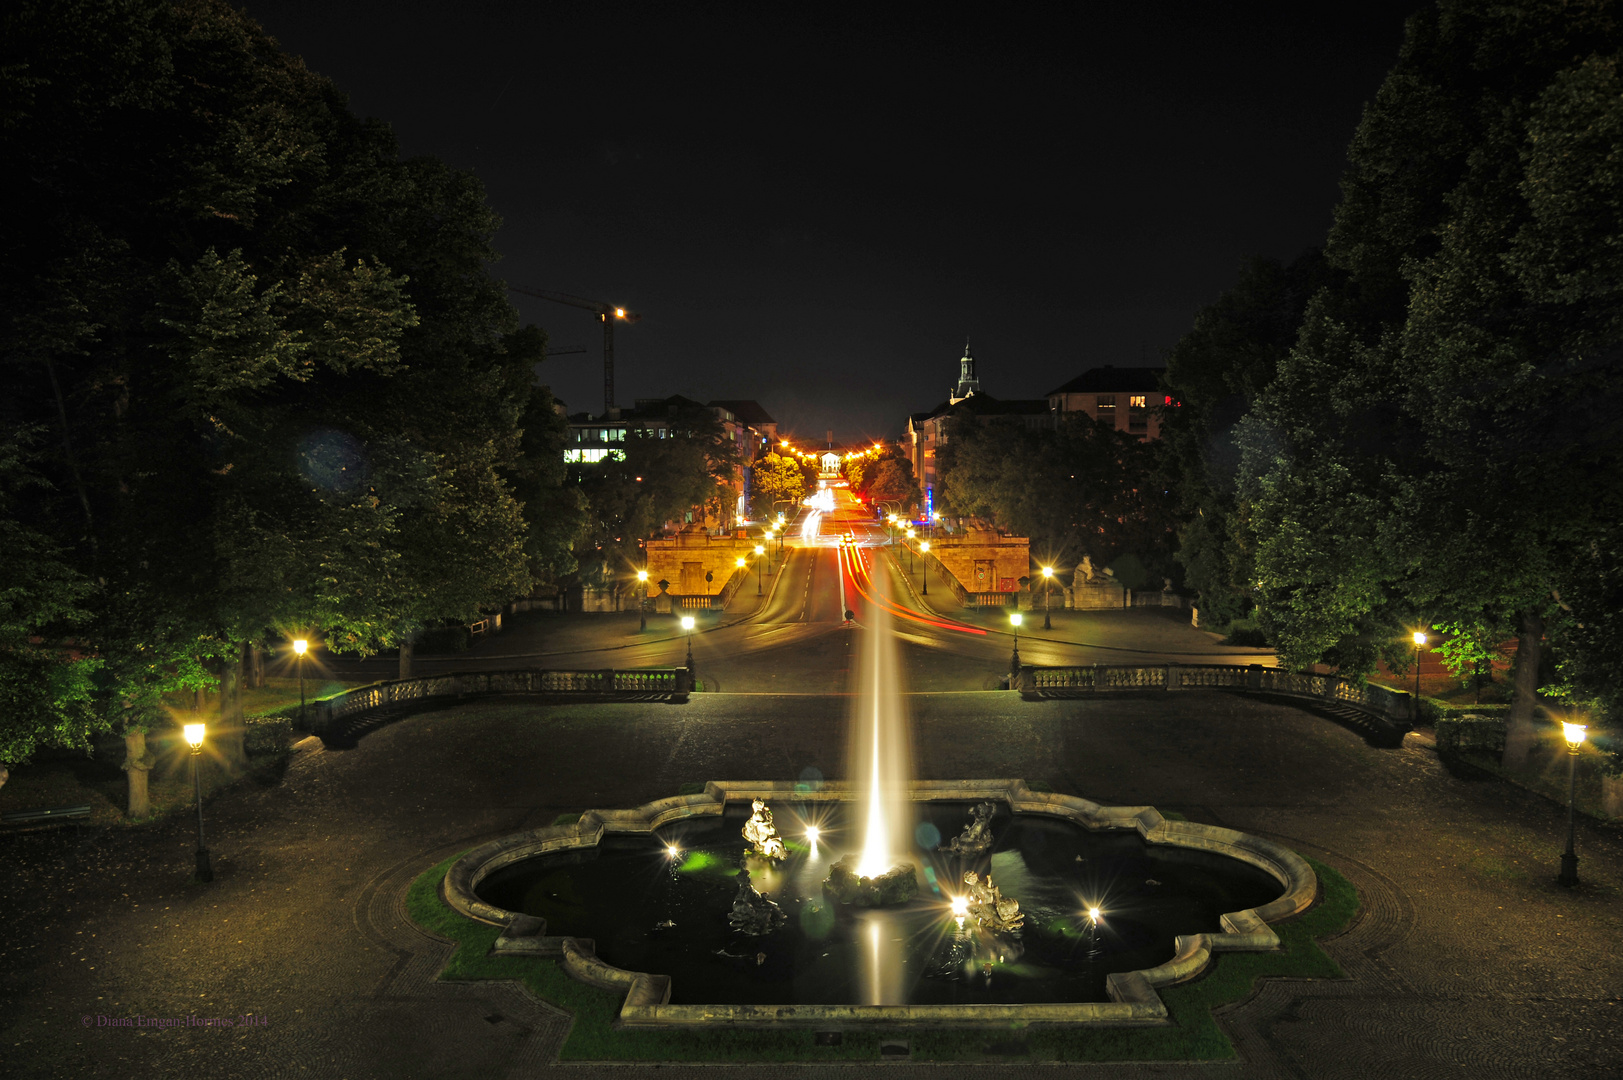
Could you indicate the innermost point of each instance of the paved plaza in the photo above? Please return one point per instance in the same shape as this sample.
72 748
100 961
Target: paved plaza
1467 959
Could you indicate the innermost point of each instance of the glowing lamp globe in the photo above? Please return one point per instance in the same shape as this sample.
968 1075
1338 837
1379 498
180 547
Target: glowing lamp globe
1574 733
194 735
300 646
687 622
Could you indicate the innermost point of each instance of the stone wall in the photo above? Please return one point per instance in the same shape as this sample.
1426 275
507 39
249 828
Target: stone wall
984 561
684 559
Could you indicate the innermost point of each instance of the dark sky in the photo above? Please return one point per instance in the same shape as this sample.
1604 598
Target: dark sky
812 207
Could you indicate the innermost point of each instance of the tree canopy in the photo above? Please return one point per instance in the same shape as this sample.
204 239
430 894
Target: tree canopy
1080 489
776 479
281 388
1441 443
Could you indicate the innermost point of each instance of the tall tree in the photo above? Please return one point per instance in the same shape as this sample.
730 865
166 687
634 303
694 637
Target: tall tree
1442 443
1214 374
277 368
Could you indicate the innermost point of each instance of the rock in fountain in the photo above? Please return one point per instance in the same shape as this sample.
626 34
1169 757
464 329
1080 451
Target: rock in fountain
762 834
753 913
897 885
991 909
977 835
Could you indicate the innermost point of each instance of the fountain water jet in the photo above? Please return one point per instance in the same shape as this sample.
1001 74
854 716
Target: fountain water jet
883 870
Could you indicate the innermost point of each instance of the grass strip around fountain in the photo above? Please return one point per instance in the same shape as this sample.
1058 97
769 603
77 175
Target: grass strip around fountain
1192 1035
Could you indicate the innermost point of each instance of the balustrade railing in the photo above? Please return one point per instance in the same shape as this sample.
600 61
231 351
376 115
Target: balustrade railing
674 683
1391 706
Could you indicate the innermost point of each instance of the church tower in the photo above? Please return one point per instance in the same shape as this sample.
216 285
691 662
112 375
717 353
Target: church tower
967 382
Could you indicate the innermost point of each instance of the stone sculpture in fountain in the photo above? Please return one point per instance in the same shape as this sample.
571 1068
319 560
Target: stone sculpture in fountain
762 834
977 835
989 908
846 884
753 913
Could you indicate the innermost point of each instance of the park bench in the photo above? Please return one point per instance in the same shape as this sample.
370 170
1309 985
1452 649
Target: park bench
44 817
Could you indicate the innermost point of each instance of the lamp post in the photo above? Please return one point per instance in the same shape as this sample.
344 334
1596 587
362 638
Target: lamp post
642 600
1014 658
924 563
300 647
1048 592
759 552
910 553
194 736
1419 643
687 624
1569 858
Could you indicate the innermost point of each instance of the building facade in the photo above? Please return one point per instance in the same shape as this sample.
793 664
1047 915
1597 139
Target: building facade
1126 399
928 433
595 440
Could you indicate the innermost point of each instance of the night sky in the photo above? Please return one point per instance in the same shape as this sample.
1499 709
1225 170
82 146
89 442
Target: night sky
812 207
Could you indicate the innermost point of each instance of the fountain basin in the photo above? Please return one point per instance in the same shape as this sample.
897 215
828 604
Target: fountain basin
1131 994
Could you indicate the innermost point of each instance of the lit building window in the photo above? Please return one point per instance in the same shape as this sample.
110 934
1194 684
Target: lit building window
592 455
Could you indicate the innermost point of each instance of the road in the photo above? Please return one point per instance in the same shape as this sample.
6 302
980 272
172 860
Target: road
795 639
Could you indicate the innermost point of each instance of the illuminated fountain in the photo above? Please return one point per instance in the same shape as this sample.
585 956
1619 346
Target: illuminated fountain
701 911
881 873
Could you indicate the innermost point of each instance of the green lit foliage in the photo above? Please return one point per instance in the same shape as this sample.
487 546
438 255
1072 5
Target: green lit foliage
46 680
776 479
1467 648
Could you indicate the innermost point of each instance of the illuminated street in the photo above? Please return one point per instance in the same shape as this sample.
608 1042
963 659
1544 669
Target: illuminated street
796 640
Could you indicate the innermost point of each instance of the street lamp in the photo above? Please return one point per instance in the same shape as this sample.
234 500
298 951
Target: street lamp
1569 858
194 736
924 561
759 551
300 647
1014 658
1048 578
642 600
909 553
1419 643
687 624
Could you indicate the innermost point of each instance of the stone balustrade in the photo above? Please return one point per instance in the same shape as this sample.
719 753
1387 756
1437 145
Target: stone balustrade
670 684
1389 707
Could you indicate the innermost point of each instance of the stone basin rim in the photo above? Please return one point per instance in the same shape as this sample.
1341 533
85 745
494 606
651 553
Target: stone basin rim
1133 994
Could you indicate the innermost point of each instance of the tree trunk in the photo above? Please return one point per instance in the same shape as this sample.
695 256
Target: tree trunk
1521 734
407 648
1611 795
256 667
230 733
137 763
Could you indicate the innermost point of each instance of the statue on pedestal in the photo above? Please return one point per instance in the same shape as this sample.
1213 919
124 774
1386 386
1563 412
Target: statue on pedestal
762 834
990 908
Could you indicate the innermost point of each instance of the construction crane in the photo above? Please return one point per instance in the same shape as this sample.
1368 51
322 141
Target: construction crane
607 314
